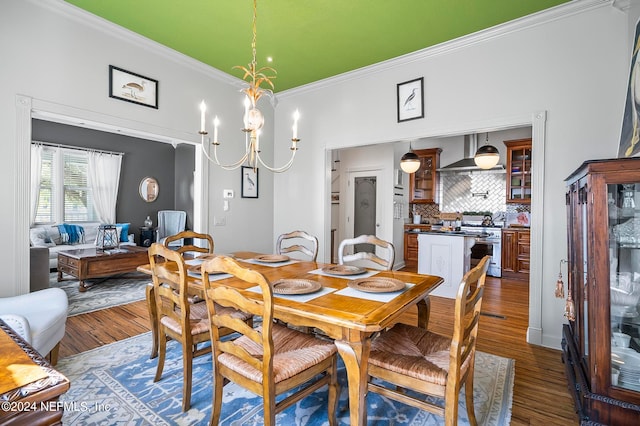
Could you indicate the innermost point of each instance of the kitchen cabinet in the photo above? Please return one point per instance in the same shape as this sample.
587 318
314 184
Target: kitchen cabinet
601 342
411 243
518 171
423 184
516 243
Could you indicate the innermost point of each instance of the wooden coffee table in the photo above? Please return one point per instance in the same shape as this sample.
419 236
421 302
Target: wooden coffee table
88 263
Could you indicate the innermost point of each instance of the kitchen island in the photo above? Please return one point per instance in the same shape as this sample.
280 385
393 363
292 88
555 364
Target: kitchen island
446 254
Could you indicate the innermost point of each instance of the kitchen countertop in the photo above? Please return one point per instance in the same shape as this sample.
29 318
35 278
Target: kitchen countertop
450 233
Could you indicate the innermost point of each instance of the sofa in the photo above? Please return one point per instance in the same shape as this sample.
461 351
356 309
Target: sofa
49 236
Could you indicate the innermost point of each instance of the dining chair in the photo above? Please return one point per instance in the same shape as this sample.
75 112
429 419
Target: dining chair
184 322
300 238
206 246
370 257
410 357
270 359
187 242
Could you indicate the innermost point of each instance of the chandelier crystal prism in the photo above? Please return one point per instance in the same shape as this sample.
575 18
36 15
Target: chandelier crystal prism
253 119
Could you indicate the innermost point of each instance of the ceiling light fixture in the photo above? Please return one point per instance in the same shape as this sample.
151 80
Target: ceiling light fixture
253 118
487 156
410 162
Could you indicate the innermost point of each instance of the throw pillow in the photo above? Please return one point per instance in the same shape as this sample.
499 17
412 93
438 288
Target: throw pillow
71 234
124 231
40 238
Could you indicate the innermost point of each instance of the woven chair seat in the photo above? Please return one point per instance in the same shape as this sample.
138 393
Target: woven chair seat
199 318
413 352
294 353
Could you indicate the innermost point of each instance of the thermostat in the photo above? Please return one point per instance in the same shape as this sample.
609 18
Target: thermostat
227 193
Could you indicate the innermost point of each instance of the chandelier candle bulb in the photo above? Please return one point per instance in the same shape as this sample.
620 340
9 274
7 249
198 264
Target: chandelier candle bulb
296 117
216 123
203 108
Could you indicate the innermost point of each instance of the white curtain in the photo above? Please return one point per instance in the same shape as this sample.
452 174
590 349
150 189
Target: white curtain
104 173
36 167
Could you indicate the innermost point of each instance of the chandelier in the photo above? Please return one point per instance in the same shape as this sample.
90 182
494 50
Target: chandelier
253 119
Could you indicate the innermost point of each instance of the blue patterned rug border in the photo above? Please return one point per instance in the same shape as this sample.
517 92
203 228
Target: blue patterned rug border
118 379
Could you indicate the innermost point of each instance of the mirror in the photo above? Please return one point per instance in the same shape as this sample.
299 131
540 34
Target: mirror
149 189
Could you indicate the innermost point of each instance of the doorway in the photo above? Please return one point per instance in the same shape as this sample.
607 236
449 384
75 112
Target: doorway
363 206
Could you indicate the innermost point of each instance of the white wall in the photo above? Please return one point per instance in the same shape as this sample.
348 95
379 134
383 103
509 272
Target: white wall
58 58
574 67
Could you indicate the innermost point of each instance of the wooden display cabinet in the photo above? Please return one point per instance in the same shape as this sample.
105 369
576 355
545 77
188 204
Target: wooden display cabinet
423 184
516 245
601 342
518 171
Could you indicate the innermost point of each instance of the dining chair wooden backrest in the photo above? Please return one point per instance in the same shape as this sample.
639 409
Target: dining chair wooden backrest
310 249
386 263
205 239
267 360
176 317
411 357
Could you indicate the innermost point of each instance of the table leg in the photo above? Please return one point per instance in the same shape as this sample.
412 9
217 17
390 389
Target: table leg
153 318
59 274
355 355
424 309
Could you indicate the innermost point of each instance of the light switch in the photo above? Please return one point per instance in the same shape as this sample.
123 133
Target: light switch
225 205
227 193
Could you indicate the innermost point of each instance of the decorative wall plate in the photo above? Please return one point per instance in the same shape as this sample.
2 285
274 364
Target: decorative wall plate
377 285
295 286
343 270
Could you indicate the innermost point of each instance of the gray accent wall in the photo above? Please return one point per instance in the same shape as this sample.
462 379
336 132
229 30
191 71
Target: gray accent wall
173 168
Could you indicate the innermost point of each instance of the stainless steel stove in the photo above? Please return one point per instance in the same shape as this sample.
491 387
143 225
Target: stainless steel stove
488 242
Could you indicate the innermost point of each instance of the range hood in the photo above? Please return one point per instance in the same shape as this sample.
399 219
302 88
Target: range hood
467 163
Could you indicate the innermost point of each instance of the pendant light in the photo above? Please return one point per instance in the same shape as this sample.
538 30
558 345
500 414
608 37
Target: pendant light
410 162
487 156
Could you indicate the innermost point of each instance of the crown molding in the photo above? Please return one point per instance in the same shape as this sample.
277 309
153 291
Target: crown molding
82 17
558 12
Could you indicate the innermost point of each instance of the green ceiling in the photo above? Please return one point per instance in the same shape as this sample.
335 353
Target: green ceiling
309 40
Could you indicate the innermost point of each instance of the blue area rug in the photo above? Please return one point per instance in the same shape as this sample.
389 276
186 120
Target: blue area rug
113 385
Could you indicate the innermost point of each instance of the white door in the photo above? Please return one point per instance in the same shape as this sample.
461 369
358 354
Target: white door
363 207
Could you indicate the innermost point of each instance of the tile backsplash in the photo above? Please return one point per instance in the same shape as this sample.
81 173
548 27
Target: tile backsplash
473 191
470 191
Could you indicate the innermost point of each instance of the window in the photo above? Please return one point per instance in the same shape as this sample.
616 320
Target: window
65 191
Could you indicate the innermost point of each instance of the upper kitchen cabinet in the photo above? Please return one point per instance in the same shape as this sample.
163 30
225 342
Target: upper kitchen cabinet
518 171
423 184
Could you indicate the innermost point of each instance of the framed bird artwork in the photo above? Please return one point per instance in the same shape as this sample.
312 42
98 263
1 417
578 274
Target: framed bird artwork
249 185
411 100
132 87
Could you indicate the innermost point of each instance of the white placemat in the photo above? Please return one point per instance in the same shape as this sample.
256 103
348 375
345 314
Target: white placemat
270 264
214 277
378 297
297 297
346 277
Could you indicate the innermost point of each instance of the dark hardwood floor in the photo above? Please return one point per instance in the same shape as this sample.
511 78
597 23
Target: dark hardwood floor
540 394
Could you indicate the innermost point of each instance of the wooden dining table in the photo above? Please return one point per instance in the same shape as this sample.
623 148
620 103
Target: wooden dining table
351 320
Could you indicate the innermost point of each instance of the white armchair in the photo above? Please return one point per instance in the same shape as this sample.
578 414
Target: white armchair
39 318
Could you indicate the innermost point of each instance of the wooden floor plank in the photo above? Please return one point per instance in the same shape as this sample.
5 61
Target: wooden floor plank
540 393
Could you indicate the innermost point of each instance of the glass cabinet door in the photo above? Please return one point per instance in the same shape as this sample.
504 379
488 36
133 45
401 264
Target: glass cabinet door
624 280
